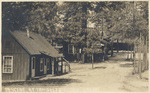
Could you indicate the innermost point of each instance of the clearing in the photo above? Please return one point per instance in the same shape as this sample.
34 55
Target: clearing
114 75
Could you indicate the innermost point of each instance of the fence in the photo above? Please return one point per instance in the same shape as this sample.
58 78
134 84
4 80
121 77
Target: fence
140 56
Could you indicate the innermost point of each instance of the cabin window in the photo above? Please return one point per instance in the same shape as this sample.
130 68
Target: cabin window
33 62
41 64
71 49
48 63
7 64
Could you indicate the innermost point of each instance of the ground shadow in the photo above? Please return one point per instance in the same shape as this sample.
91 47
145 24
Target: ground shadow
50 82
126 65
101 67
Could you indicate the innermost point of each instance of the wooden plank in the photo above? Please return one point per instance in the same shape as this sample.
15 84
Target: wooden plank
20 57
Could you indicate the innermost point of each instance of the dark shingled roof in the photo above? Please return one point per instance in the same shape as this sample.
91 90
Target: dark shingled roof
35 44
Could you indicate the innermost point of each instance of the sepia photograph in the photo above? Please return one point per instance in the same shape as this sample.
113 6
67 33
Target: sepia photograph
75 46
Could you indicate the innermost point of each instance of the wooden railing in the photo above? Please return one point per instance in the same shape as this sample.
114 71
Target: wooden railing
67 63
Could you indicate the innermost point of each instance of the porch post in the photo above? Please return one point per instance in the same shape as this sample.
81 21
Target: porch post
61 67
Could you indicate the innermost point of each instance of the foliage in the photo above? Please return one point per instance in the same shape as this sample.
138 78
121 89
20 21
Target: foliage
70 21
14 15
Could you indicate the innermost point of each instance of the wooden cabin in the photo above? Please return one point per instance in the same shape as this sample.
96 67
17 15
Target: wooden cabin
26 55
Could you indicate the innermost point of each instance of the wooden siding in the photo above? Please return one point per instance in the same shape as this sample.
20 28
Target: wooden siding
21 59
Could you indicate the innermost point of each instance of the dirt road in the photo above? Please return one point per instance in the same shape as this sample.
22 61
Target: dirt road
114 75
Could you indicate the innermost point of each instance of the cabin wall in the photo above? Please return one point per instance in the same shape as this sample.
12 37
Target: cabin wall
71 57
21 59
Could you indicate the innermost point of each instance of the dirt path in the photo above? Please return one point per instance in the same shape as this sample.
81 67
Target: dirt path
111 76
114 75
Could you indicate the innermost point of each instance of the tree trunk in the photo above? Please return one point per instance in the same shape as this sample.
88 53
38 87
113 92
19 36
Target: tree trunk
134 60
146 59
140 65
140 61
84 20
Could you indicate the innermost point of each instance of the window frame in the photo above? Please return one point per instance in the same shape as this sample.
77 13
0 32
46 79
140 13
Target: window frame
11 64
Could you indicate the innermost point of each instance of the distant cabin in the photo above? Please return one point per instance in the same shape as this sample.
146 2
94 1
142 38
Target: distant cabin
27 55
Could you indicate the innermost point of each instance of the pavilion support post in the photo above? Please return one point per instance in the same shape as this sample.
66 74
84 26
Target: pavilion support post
117 45
131 52
112 48
103 59
128 52
92 60
83 58
134 60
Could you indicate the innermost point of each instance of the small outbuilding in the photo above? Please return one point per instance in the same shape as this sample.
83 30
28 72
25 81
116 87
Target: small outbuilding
27 55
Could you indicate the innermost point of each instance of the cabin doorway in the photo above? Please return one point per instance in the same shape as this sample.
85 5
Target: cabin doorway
33 65
45 67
